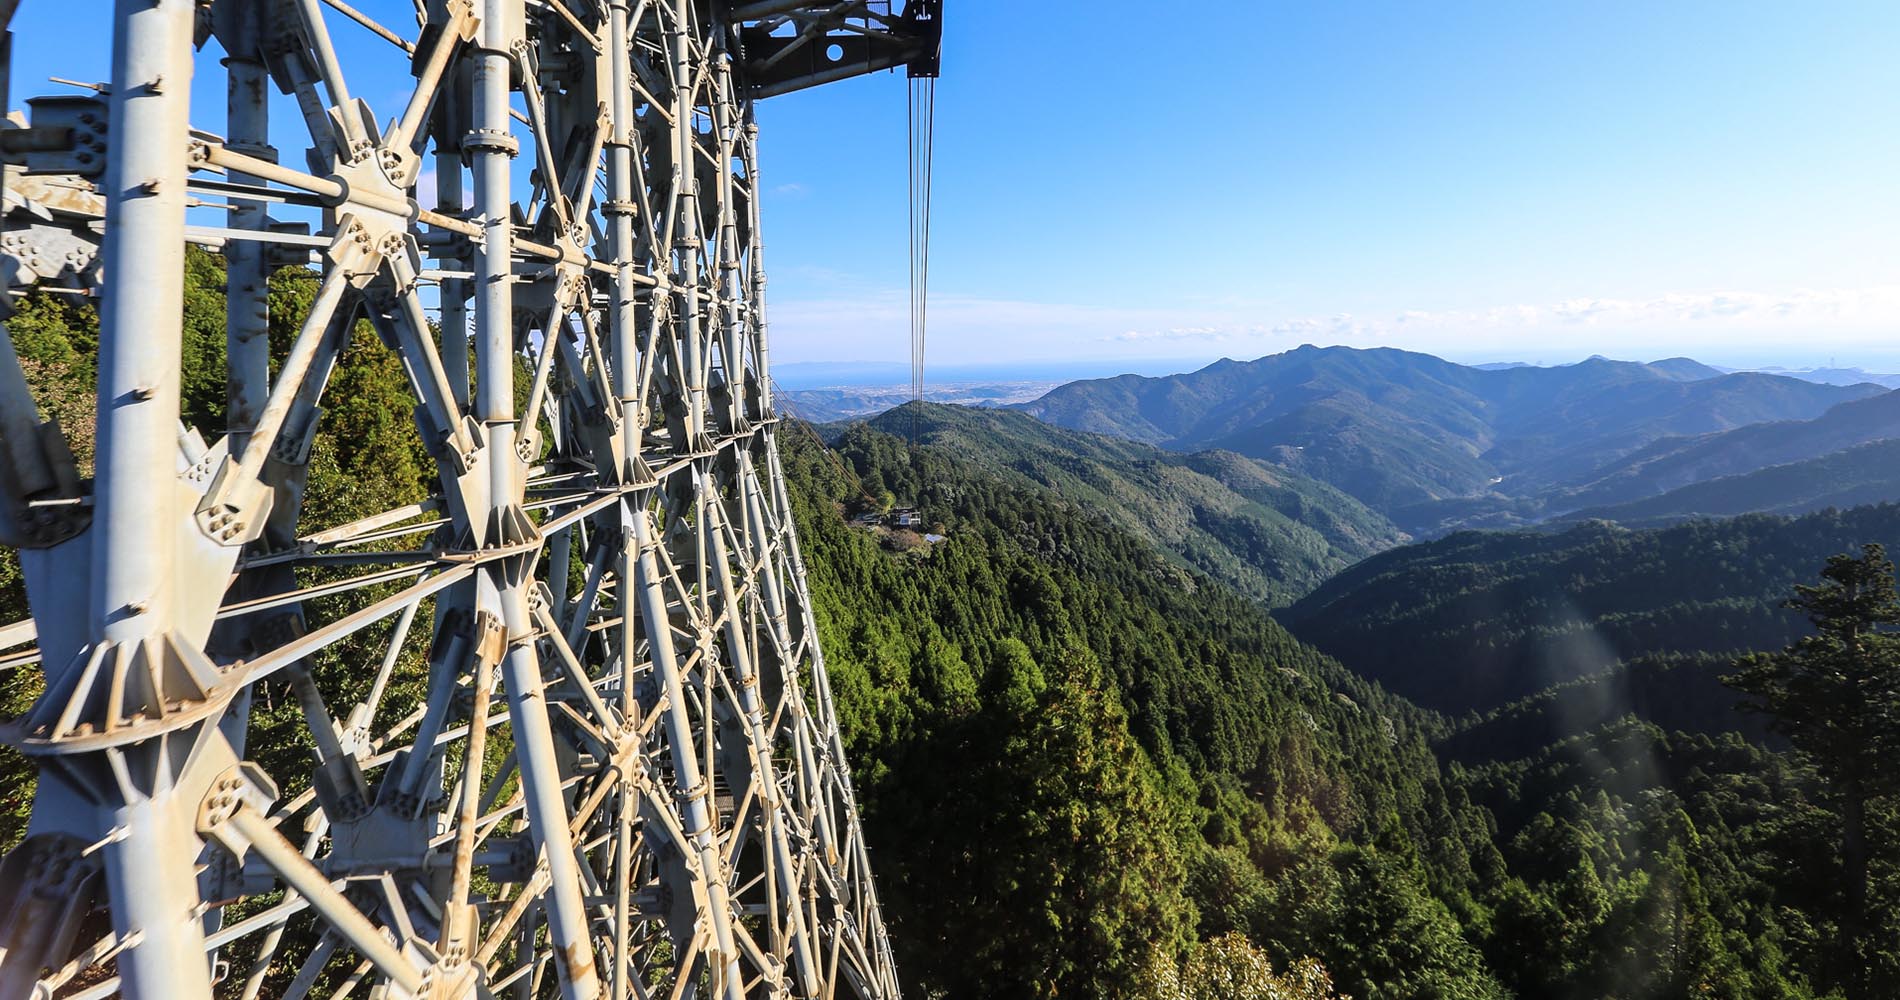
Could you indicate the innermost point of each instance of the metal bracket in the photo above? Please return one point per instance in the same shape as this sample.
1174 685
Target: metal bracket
793 45
67 136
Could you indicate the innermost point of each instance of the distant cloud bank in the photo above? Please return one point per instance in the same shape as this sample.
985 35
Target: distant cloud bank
967 328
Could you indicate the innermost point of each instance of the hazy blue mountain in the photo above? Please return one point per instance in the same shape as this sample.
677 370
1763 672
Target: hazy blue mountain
1841 376
1269 533
1398 430
1685 369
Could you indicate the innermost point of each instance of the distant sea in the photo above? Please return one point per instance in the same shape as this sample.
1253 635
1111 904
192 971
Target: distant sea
834 374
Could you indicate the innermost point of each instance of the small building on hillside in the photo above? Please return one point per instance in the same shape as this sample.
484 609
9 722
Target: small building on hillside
906 517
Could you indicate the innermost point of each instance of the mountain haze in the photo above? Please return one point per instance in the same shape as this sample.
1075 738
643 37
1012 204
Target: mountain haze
1840 376
828 404
1403 431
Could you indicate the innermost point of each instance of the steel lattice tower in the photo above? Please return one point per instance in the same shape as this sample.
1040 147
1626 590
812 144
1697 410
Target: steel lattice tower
623 776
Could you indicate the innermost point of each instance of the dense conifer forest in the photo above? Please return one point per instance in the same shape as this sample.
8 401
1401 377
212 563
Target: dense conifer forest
1472 621
1644 638
1047 713
1618 858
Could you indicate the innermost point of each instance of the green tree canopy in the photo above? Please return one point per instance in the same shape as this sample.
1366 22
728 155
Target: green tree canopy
1836 694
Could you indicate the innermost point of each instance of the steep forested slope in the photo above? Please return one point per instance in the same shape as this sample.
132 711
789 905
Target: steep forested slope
1270 534
1260 788
1076 753
1623 862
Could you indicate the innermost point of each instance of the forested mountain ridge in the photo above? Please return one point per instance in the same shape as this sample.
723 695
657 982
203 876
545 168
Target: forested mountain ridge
1404 431
1852 477
1778 467
1674 462
1269 533
1471 621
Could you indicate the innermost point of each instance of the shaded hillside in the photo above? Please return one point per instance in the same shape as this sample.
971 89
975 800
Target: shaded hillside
1674 462
1398 429
1676 692
1270 534
1600 738
1854 477
1472 621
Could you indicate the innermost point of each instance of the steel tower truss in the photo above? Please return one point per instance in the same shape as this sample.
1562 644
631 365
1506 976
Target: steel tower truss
622 775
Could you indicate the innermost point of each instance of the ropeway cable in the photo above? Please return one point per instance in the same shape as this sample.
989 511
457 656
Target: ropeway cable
922 136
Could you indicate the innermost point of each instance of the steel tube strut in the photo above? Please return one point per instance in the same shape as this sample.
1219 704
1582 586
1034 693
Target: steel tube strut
247 296
139 321
136 511
694 792
503 589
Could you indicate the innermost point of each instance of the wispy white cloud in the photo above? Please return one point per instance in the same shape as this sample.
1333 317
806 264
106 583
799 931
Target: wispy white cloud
1879 304
1173 333
1298 328
873 323
1824 308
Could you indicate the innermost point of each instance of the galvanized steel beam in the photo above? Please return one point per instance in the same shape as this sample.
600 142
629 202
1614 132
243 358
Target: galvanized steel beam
665 811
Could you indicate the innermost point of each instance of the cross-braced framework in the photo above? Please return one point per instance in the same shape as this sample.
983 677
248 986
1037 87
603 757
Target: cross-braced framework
618 772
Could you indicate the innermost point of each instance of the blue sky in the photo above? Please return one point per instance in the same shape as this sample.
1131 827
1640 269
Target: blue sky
1536 181
1497 181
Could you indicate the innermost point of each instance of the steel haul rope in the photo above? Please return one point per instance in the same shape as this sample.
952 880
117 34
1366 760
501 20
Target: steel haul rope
922 135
